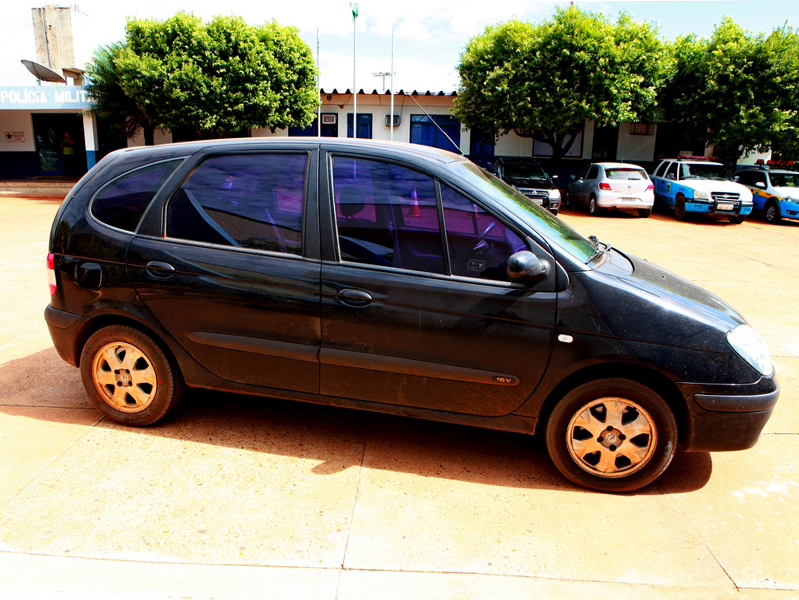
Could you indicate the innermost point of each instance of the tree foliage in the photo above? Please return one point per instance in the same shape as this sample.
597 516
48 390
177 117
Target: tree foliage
218 78
111 104
737 91
546 79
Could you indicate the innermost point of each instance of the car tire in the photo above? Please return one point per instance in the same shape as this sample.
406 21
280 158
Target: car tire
554 211
773 212
128 376
567 199
737 219
644 212
593 209
679 208
611 435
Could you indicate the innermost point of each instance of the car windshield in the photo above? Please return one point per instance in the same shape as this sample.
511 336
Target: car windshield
540 220
704 171
785 179
524 170
628 174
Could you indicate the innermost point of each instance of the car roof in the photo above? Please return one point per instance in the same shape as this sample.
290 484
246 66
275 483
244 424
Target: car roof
694 161
761 169
402 148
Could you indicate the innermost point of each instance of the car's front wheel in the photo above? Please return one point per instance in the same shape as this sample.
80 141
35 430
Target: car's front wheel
679 207
593 207
612 435
128 376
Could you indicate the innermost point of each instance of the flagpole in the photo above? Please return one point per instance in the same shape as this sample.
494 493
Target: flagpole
354 8
319 87
391 128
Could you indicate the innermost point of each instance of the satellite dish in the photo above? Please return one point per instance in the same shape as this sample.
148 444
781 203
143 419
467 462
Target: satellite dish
41 72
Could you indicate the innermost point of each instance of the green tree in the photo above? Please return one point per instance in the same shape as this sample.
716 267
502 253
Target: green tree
111 104
736 91
545 80
219 78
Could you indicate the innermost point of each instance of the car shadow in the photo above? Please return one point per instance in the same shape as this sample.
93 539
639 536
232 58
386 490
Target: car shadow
337 438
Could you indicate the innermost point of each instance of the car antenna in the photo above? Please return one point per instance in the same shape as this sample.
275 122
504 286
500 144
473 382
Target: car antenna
436 124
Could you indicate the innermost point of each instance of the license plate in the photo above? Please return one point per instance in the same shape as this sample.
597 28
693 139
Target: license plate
630 199
725 206
539 201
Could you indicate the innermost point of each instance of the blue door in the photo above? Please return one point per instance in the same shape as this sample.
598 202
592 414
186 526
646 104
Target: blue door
364 126
431 130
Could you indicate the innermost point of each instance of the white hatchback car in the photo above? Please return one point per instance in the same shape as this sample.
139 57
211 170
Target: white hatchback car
612 185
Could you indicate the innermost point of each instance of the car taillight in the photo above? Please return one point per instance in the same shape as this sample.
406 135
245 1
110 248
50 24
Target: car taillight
604 186
51 273
651 186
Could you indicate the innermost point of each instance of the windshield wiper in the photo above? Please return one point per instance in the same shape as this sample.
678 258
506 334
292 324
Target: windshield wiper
598 251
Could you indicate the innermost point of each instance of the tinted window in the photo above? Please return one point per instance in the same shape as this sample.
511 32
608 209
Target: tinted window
785 179
122 203
386 215
745 178
247 200
479 244
661 170
593 173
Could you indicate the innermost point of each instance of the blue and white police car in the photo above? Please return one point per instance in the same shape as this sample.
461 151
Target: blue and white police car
694 184
775 191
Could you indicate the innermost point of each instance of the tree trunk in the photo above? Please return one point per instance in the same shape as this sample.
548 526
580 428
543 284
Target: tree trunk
149 134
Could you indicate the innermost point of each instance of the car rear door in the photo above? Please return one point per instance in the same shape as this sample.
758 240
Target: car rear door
405 322
229 265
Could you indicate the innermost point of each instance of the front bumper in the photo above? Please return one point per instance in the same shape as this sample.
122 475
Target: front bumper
727 417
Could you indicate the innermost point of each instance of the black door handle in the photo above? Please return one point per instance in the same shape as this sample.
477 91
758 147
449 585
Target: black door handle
160 270
356 298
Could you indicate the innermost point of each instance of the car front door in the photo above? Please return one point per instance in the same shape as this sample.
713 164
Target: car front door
230 268
406 322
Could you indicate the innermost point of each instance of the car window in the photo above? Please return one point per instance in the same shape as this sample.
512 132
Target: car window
661 170
593 173
583 173
479 243
745 177
785 179
524 170
122 203
387 215
672 170
704 171
248 200
760 178
626 174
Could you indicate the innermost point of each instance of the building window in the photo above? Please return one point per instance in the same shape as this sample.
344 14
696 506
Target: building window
642 129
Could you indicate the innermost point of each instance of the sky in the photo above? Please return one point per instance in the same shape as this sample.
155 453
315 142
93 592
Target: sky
429 35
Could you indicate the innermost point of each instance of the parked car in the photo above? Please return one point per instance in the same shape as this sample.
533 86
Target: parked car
697 185
529 177
612 186
394 278
775 193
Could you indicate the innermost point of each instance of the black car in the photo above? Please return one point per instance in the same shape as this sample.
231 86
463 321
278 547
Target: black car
529 177
395 278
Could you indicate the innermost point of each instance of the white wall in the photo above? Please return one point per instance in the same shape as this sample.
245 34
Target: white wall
161 136
13 121
752 158
511 144
635 147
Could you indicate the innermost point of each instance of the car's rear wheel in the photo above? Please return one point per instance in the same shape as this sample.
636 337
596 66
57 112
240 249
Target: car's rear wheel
644 212
612 435
128 376
679 207
593 208
773 212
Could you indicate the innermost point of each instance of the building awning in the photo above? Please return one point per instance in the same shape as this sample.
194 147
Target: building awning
374 92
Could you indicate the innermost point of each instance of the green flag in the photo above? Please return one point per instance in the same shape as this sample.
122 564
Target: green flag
354 7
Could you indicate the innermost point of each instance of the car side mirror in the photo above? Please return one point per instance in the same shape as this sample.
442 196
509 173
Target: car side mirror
554 177
760 184
572 176
524 266
670 176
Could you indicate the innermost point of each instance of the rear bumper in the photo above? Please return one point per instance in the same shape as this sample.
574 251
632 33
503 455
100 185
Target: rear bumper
64 327
729 417
622 200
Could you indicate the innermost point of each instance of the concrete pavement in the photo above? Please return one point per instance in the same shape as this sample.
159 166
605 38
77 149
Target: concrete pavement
240 497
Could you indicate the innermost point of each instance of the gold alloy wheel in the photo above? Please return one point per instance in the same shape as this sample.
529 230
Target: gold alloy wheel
124 377
611 437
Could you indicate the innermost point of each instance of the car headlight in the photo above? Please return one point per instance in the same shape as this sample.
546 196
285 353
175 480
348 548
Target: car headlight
751 347
700 195
554 194
794 200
